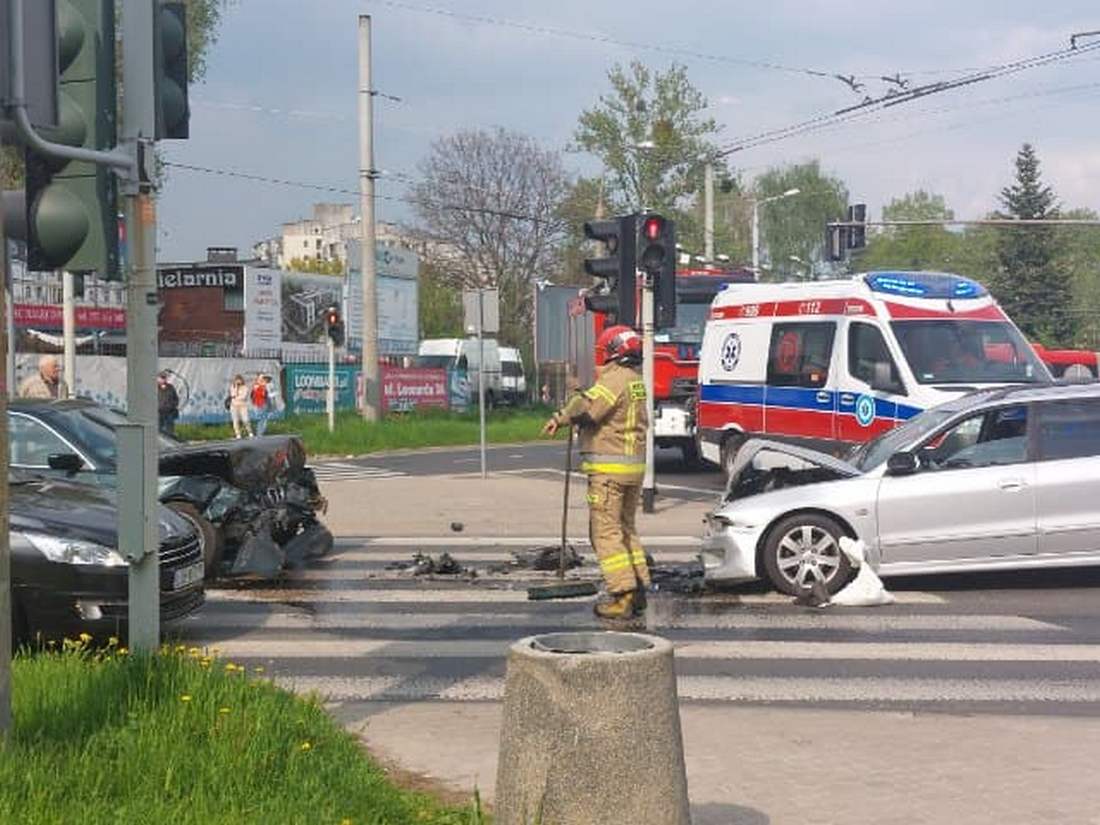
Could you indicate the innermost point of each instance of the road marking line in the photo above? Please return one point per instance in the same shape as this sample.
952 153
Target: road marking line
726 688
715 650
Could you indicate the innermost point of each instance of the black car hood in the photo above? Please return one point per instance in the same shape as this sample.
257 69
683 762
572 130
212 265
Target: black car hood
78 511
252 464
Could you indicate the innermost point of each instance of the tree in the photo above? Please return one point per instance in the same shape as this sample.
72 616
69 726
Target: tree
317 266
489 207
1032 288
732 218
1078 255
795 226
663 111
916 247
439 304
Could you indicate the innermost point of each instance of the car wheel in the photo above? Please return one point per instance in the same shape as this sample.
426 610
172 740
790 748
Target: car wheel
803 548
209 538
731 445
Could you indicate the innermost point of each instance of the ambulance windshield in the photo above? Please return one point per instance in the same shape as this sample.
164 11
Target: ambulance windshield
949 351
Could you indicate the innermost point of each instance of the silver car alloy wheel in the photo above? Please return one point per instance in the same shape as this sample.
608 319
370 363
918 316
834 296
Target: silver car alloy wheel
808 552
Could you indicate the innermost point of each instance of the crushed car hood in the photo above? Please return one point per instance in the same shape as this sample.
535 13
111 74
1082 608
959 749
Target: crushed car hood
252 464
763 466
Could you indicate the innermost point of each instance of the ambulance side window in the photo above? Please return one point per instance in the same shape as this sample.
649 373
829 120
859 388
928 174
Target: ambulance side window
870 361
800 353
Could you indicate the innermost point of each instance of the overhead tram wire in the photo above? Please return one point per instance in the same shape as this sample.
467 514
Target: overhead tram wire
320 187
895 98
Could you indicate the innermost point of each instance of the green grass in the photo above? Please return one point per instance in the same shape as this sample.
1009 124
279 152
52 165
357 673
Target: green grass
354 436
177 738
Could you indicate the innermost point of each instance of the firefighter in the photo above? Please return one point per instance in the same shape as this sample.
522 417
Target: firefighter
612 418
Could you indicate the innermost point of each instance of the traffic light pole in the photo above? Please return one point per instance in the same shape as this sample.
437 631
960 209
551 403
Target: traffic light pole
68 329
649 484
330 393
137 449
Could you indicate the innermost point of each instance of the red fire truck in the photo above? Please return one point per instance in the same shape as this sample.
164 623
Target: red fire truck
676 353
1070 364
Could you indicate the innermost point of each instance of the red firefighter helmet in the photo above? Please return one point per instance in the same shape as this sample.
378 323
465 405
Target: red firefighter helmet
620 343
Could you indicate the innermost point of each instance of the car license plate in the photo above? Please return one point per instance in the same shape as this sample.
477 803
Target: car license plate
187 576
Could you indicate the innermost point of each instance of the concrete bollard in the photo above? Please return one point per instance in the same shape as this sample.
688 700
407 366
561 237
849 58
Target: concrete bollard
591 733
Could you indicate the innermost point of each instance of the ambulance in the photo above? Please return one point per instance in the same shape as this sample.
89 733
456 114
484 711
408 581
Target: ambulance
831 364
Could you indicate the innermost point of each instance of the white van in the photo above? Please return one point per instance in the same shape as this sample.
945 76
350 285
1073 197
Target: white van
463 354
512 380
835 363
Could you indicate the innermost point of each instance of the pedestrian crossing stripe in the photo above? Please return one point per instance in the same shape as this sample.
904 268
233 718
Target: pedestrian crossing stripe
338 471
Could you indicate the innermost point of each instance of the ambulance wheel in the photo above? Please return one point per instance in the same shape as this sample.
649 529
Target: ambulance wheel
803 548
731 445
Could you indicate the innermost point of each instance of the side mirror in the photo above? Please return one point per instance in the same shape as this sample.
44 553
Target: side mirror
882 378
70 463
902 464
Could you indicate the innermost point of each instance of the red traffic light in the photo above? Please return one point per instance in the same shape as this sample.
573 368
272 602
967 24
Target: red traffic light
652 228
332 316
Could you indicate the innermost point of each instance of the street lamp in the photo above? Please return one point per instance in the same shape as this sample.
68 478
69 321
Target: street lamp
756 204
538 285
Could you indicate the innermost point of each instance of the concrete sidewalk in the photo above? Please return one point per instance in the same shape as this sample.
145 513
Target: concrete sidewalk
777 766
502 505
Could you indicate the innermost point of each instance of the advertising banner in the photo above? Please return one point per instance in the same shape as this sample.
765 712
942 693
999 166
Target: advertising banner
307 384
48 316
398 295
406 389
263 310
304 301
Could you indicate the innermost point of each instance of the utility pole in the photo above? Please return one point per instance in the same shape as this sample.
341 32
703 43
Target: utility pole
756 240
649 483
481 374
330 393
68 328
137 449
708 217
372 410
536 289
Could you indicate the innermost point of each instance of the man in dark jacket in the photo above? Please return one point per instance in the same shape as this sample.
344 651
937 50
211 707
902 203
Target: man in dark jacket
168 405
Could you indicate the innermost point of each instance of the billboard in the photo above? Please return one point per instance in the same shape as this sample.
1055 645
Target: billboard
304 301
307 386
263 310
398 299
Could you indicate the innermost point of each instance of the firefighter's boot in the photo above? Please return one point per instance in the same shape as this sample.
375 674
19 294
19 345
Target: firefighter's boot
622 605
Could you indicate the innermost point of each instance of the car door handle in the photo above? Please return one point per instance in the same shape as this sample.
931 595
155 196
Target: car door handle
847 400
1012 485
823 398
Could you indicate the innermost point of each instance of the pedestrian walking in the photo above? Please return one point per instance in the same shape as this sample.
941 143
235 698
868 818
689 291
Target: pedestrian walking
238 401
261 403
168 405
611 416
46 383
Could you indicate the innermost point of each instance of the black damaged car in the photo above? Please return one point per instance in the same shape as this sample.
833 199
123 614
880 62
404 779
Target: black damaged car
253 501
66 572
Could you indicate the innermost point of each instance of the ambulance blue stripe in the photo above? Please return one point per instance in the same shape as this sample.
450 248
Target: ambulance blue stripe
799 398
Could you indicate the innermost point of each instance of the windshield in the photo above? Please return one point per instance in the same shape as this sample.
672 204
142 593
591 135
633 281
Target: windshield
94 429
690 321
511 369
952 351
877 450
437 362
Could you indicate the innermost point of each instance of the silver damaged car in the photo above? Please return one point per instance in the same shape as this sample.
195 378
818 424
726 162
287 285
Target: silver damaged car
1002 479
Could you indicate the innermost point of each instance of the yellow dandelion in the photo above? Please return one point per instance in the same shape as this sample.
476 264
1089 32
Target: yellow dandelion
305 746
186 697
112 641
345 821
194 652
122 651
230 667
181 648
85 637
258 669
223 711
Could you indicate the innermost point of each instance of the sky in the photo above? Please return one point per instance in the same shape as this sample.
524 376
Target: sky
279 100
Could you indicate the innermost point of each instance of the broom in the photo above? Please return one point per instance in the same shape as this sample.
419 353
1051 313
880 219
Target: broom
562 590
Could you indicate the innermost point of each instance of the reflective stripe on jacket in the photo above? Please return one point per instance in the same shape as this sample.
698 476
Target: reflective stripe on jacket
612 418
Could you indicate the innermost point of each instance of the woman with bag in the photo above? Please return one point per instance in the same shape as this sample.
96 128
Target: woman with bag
261 403
238 401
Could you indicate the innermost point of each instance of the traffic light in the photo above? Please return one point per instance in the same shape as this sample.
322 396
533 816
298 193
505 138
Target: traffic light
617 269
334 326
857 235
657 257
170 57
836 241
71 206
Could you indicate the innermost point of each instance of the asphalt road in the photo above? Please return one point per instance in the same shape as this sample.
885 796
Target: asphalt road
674 478
355 628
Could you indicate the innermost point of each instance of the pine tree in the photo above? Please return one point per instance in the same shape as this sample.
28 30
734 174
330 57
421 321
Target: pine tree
1034 290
